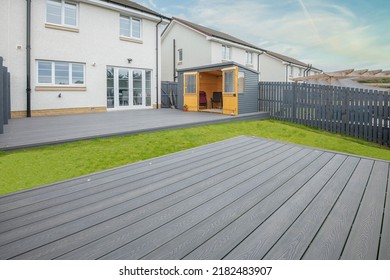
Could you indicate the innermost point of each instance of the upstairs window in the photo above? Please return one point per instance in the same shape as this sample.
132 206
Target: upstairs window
130 27
225 52
249 58
61 12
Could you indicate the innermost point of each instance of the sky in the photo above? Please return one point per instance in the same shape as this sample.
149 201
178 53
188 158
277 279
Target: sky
332 35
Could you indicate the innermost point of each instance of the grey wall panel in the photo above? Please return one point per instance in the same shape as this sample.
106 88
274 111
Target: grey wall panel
180 97
248 101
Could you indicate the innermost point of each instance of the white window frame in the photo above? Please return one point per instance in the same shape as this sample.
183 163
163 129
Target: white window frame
63 4
130 19
226 53
53 77
249 58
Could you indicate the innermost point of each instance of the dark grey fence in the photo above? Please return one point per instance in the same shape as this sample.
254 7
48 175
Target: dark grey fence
5 97
355 112
168 94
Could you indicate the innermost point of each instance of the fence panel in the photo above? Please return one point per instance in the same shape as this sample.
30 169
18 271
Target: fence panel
355 112
5 96
169 94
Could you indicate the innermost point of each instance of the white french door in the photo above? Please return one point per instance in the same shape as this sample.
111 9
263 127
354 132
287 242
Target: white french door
128 88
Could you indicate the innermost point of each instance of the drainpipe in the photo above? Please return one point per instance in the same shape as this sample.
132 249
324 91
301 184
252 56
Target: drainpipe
28 58
305 72
157 64
174 60
258 63
287 72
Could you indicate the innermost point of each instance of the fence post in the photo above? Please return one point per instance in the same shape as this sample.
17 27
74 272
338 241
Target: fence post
1 96
294 102
5 95
9 94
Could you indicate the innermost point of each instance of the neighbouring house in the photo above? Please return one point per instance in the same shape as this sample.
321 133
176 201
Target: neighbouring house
351 78
227 88
80 56
275 67
186 45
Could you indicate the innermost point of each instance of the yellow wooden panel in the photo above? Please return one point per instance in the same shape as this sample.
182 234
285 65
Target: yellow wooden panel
230 104
191 101
230 101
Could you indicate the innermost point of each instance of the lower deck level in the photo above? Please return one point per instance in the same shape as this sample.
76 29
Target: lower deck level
243 198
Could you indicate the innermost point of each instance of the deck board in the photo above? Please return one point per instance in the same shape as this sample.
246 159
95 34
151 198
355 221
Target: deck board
384 249
363 241
242 198
330 239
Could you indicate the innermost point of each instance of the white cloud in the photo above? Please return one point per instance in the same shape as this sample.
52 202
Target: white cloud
325 34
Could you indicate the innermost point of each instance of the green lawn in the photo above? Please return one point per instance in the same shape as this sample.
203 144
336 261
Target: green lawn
34 167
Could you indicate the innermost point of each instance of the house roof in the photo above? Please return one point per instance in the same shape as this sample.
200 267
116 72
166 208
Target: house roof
135 6
214 33
217 34
216 66
289 59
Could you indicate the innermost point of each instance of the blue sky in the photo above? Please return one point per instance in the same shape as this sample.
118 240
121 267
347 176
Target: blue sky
331 35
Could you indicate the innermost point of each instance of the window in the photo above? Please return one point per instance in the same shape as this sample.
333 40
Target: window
225 52
291 71
300 72
241 82
190 83
61 12
180 54
229 82
249 58
130 27
60 73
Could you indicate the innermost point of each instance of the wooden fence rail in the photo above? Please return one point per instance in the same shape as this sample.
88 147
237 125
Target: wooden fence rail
359 113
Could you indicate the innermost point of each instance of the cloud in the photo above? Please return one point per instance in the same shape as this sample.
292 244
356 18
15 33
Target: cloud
328 34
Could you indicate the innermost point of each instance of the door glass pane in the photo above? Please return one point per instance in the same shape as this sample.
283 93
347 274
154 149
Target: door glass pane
71 14
110 87
137 87
61 73
190 84
123 76
229 82
148 88
44 73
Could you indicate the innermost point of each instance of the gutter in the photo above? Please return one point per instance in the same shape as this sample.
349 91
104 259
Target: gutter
157 63
28 58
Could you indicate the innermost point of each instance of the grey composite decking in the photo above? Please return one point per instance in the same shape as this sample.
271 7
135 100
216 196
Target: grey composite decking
39 131
243 198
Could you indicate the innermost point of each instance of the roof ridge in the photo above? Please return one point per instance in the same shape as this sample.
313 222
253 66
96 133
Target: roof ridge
215 33
135 6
